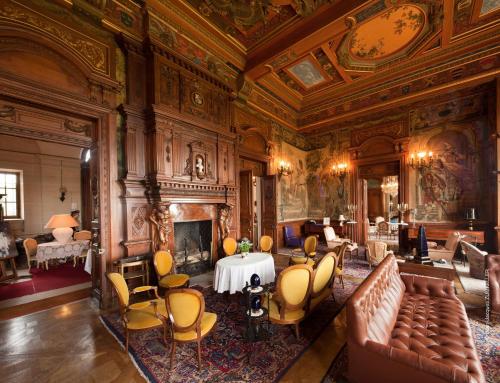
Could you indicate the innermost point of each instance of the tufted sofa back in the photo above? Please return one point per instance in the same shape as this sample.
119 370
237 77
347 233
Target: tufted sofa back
372 310
493 266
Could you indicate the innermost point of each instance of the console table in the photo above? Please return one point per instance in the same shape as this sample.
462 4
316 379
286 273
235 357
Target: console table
317 229
441 234
141 261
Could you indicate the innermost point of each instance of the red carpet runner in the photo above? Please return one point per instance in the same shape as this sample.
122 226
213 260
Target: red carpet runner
56 277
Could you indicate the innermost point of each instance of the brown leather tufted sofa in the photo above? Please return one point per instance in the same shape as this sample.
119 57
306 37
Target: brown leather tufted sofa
409 328
493 267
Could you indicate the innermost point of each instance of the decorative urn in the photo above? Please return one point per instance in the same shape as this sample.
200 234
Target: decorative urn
255 304
255 280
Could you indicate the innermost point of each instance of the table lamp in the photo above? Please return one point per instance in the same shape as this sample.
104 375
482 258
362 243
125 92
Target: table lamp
341 219
62 225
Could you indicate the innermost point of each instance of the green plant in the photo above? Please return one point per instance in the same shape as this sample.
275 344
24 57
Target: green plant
245 245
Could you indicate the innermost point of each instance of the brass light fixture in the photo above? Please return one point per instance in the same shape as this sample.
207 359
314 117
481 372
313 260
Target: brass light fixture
284 168
421 160
62 189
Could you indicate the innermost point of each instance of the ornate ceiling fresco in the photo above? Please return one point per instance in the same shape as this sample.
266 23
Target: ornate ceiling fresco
311 63
250 22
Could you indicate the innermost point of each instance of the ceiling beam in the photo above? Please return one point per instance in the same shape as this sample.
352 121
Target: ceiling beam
333 58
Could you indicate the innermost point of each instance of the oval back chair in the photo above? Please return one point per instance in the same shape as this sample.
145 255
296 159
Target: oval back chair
230 246
165 271
266 243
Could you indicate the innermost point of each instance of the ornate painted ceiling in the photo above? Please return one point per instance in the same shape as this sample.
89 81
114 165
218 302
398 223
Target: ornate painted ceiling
311 63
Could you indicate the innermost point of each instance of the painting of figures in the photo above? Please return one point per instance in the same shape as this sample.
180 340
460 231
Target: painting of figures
444 189
292 197
307 73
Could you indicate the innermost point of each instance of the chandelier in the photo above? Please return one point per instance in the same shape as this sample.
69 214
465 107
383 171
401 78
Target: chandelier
390 185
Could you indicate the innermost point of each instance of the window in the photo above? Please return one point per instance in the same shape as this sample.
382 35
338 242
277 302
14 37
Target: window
10 189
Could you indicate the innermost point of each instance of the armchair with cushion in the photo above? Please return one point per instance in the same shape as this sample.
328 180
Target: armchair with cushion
333 241
190 322
376 251
476 259
229 245
266 244
323 278
287 305
493 267
447 251
309 252
142 315
291 240
31 246
165 271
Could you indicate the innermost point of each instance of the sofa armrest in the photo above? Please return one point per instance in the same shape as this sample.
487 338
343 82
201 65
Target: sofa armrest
434 287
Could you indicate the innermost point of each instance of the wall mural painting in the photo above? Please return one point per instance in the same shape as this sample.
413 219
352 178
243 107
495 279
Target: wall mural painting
327 195
292 191
450 185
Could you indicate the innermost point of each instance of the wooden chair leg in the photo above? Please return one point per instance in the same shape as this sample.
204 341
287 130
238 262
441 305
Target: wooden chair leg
297 330
74 261
165 334
126 339
172 354
199 355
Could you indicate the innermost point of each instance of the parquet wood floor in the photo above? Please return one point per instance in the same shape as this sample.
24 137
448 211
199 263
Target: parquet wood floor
67 343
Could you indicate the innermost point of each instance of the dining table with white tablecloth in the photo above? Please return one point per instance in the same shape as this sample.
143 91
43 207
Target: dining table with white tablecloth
233 272
56 250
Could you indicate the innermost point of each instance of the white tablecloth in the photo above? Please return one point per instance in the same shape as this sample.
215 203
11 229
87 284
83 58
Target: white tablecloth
232 273
54 250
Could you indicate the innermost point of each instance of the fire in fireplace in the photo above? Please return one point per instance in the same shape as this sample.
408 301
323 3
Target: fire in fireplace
193 246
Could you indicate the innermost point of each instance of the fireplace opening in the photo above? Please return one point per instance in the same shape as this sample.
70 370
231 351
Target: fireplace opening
193 247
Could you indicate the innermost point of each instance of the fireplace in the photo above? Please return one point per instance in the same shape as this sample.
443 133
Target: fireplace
193 246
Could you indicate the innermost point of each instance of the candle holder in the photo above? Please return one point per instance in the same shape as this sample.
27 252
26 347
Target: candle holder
352 208
402 208
471 217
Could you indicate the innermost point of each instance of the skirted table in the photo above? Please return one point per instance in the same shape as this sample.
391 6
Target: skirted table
55 250
233 272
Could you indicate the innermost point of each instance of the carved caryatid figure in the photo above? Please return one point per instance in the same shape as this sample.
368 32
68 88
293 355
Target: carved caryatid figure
225 217
159 219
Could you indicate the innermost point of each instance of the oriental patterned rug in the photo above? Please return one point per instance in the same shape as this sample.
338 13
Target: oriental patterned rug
225 353
486 338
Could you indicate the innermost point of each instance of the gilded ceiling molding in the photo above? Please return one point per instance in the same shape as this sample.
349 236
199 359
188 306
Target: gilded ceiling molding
91 51
226 47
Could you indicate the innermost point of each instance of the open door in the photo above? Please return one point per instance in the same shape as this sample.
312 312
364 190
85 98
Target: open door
269 187
364 212
246 204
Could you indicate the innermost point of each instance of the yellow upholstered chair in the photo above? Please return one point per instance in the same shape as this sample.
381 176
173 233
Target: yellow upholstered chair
287 305
165 271
309 252
339 265
229 245
266 244
323 278
141 315
30 247
83 235
189 321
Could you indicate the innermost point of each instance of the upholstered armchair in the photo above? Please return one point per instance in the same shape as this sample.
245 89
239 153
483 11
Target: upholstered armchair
323 278
333 241
291 240
229 246
493 267
339 264
142 315
165 271
376 251
287 305
476 259
309 252
383 229
447 251
189 320
266 244
30 247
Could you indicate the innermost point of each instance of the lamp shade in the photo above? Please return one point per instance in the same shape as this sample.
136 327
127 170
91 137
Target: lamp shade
341 217
61 220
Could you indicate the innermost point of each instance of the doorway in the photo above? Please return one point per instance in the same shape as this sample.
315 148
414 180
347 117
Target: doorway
380 198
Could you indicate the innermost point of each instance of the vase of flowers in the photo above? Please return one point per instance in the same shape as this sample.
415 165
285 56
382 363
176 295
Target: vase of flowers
245 245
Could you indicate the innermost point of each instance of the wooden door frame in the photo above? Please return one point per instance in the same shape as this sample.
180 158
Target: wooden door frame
361 156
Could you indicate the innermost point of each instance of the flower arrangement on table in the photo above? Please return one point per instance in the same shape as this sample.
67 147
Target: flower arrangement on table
245 245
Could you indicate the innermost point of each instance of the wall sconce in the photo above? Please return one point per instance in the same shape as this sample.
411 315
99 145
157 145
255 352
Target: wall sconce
284 168
421 160
340 170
